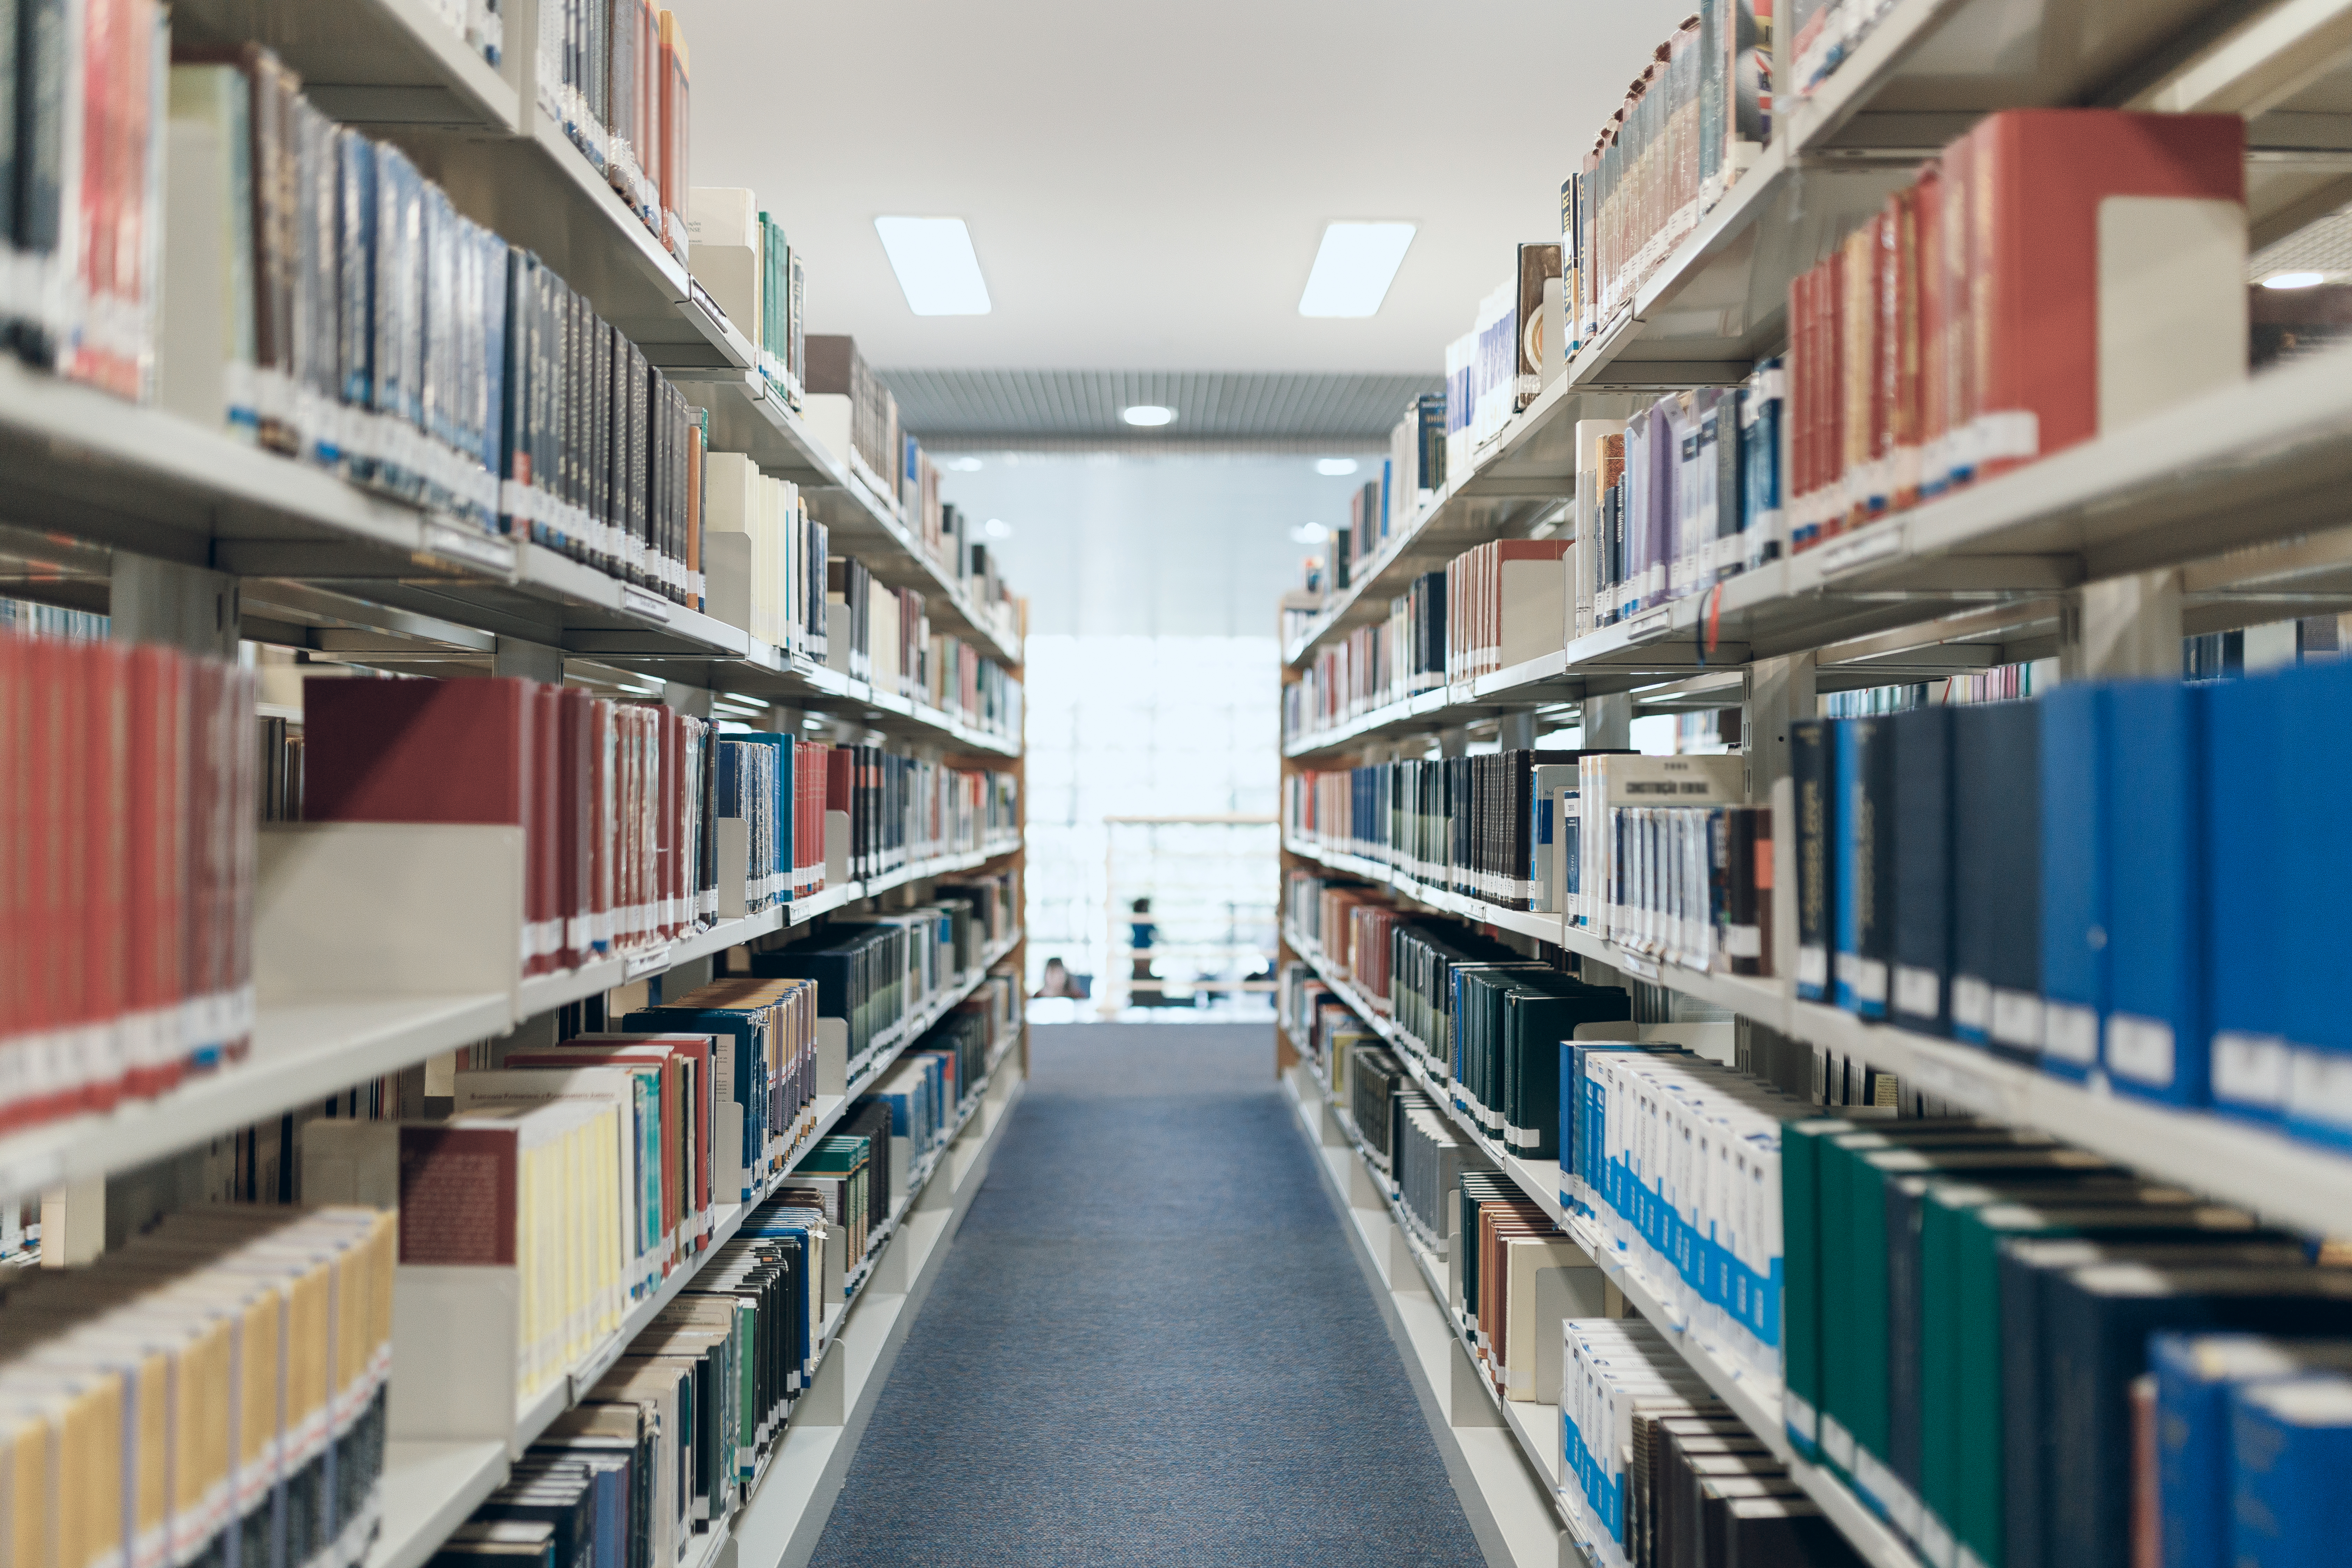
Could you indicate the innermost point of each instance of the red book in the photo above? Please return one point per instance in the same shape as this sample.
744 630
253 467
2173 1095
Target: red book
2109 253
105 956
1959 201
1927 205
156 887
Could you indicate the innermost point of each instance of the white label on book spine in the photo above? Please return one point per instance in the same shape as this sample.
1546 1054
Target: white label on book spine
1918 993
1837 1443
2319 1087
1813 966
2017 1018
1935 1539
2140 1050
2249 1070
1868 978
2071 1033
1971 1003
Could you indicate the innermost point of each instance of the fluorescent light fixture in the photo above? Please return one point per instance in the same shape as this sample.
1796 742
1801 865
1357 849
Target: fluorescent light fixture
966 464
938 269
812 723
2294 279
997 528
1148 414
1332 467
1309 533
1353 269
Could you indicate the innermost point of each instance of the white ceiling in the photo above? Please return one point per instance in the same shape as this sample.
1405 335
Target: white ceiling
1146 184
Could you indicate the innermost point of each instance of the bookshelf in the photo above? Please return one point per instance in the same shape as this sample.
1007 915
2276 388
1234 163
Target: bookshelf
2216 514
379 951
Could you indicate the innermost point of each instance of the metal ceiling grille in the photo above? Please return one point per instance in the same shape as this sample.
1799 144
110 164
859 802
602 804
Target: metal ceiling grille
1068 409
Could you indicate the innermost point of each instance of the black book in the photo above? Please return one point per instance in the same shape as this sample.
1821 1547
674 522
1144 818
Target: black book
1996 777
1811 766
1923 869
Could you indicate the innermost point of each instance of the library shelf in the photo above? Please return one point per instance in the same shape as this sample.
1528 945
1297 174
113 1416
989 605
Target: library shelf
2239 469
1496 1453
1919 78
2301 1185
341 569
310 1047
1755 1401
431 1488
381 61
303 1048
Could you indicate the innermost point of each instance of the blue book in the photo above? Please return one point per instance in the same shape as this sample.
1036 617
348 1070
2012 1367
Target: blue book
2196 1375
2291 1447
1863 764
2242 786
1996 877
1922 951
2314 855
2157 1025
2075 742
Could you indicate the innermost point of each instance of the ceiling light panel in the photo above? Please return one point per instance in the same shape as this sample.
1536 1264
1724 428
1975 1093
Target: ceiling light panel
1147 415
1354 267
938 269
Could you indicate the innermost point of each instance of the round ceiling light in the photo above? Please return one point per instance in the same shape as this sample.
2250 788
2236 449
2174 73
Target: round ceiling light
1148 415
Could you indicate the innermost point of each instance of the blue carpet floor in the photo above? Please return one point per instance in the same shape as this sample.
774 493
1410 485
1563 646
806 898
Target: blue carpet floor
1150 1345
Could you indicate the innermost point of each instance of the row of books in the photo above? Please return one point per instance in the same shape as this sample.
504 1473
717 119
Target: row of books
773 791
1930 349
81 232
1895 1254
1969 1308
767 558
1675 500
617 799
131 794
1691 124
614 74
211 1391
1503 827
357 320
481 22
1659 1468
2098 880
756 276
664 1450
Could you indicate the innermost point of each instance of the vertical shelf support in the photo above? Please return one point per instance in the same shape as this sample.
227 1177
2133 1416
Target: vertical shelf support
192 608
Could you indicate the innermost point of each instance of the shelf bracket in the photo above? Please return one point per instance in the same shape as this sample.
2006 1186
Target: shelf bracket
186 607
2121 627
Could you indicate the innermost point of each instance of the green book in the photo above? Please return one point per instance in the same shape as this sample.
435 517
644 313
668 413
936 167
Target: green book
1851 1275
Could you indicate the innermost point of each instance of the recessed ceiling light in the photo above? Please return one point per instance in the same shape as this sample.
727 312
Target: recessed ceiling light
966 464
1148 414
1309 533
2294 279
997 528
1353 268
1332 467
938 269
